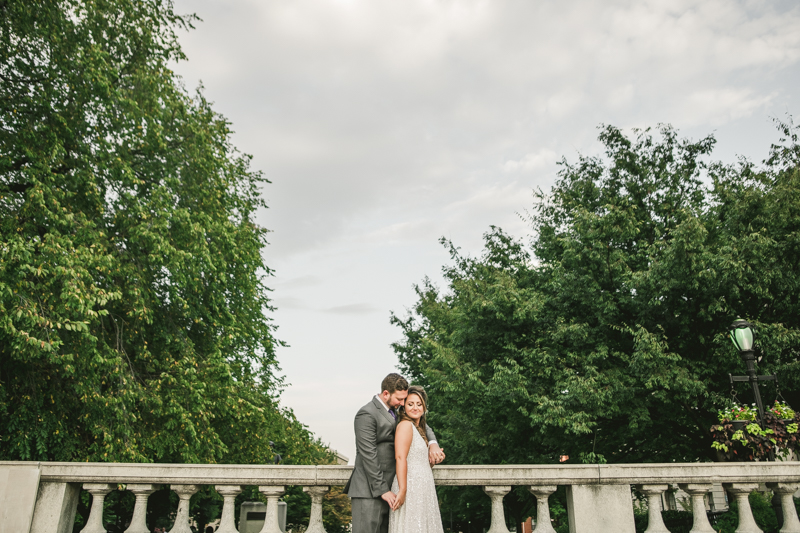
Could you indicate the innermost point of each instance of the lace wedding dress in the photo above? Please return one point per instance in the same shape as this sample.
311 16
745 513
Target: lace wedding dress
420 512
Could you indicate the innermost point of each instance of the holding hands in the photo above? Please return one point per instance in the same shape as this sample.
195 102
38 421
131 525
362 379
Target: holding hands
399 500
435 454
390 498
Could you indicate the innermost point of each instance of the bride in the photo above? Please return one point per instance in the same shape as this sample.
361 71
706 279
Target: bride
416 508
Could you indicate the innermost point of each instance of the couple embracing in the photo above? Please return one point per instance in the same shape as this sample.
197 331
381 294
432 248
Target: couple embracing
391 488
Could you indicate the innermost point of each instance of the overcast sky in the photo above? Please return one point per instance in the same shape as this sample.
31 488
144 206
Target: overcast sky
387 124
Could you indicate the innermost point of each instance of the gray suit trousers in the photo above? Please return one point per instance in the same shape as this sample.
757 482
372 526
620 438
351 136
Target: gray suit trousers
370 515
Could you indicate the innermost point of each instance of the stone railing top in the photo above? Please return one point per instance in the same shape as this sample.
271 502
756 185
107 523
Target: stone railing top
218 474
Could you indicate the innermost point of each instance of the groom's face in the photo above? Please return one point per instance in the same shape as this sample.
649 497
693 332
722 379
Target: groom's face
395 399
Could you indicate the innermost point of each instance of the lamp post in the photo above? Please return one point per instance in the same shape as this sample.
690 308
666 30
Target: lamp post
742 336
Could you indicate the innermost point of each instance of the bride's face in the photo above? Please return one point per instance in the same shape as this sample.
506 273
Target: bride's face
414 407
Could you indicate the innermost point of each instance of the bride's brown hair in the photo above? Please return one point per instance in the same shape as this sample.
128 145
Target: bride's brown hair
420 392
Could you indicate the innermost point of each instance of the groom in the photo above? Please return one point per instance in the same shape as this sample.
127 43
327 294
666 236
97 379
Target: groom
371 481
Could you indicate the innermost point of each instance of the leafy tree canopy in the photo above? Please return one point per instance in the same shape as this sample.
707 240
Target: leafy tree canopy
604 338
133 312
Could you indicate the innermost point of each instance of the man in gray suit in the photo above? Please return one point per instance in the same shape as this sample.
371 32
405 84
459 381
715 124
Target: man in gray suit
370 484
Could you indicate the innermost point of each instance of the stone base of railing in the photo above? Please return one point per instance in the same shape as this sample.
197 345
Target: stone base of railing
43 497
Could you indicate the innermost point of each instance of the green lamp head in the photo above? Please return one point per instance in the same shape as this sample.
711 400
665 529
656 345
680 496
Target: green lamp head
742 335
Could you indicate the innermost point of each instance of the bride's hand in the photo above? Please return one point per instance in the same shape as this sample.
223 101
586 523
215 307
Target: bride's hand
435 454
399 500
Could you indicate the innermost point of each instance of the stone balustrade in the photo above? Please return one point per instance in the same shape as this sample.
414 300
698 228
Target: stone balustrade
39 497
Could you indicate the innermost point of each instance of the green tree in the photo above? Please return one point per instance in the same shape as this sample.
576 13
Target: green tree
604 338
134 318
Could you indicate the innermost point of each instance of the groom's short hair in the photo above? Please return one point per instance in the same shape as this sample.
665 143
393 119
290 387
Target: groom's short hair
393 383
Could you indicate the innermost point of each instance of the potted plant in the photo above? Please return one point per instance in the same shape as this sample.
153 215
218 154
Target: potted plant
782 411
738 415
739 436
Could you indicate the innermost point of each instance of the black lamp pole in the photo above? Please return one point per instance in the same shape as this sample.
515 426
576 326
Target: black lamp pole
742 337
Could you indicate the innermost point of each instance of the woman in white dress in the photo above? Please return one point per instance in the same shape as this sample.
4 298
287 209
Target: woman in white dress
416 509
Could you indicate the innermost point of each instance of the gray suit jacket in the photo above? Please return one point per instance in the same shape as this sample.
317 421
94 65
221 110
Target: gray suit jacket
375 464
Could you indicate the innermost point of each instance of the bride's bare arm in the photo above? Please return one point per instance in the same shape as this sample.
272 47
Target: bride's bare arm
402 444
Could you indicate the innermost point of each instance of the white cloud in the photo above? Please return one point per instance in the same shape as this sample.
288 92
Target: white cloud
718 106
289 303
405 231
298 282
532 161
353 309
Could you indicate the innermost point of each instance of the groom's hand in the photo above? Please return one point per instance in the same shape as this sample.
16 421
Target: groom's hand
389 497
435 454
400 500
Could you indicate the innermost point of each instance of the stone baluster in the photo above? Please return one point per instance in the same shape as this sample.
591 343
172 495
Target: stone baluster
271 524
139 519
542 493
227 523
741 491
698 492
655 522
98 491
790 522
315 524
185 493
498 516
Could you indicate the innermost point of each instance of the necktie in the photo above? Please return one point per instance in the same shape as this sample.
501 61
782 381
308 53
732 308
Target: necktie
391 412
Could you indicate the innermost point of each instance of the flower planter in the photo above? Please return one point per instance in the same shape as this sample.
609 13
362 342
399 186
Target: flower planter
777 434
